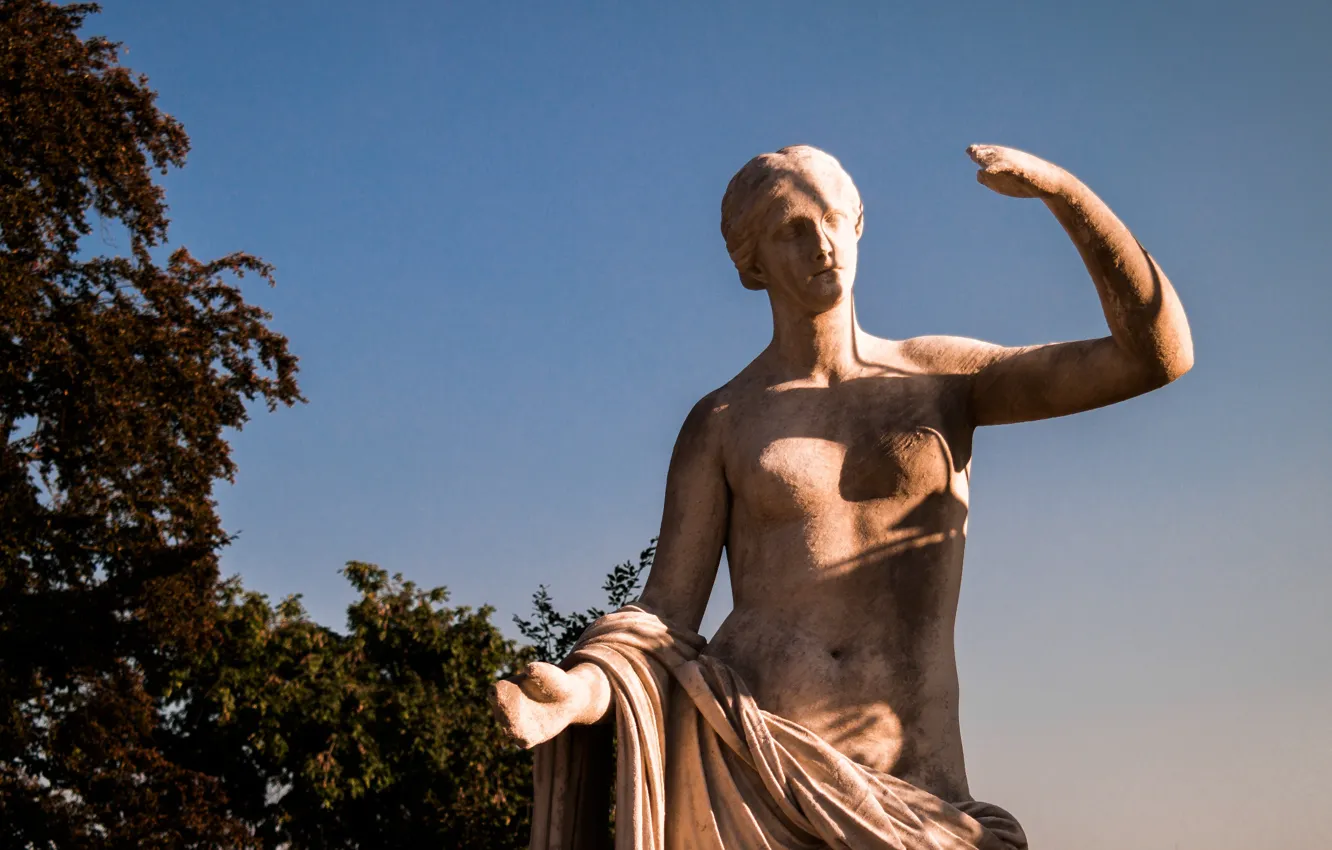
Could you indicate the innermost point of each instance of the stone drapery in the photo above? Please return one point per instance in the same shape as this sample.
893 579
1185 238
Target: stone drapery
701 766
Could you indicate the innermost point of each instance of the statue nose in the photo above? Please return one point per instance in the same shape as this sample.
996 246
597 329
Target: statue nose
824 247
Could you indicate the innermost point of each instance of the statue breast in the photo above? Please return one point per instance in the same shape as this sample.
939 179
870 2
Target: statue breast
792 478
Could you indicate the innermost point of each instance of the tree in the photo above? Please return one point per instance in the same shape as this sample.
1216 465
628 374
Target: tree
377 738
118 378
553 634
145 703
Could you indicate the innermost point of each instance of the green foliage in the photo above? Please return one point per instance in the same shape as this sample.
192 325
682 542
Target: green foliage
553 634
380 737
144 703
118 378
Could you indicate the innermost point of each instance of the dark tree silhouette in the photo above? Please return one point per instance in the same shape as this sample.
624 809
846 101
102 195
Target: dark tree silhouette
554 633
145 703
377 738
118 378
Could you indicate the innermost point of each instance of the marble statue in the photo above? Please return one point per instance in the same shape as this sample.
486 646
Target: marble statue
834 470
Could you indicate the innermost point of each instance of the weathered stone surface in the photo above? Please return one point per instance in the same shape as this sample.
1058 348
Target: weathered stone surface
834 468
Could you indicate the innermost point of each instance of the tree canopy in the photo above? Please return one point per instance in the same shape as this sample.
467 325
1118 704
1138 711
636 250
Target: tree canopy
145 702
380 737
553 633
118 379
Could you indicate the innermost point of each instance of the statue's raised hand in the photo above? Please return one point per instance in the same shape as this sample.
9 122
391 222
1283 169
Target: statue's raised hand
538 703
1018 174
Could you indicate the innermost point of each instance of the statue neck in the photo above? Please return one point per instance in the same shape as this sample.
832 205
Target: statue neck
824 346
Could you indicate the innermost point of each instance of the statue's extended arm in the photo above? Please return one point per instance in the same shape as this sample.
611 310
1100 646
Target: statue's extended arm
1149 343
538 703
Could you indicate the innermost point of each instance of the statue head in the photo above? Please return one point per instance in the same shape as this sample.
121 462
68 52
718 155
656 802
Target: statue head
791 220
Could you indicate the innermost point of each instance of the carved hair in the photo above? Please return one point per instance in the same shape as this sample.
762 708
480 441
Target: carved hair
753 189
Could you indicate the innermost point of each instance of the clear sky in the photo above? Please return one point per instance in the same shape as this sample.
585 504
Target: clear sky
496 233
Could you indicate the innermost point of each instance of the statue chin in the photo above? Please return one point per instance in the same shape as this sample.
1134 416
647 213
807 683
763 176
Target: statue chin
818 293
827 290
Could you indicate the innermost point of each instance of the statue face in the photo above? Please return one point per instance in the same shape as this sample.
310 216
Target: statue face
806 249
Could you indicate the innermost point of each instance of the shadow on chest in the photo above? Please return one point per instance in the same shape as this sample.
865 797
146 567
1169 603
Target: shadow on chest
860 441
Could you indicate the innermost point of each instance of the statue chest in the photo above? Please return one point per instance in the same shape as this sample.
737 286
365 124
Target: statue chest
808 451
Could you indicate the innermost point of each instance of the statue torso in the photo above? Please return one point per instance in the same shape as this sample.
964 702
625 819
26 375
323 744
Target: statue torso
845 543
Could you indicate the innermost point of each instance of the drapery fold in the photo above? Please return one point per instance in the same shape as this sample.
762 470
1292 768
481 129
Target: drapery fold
700 766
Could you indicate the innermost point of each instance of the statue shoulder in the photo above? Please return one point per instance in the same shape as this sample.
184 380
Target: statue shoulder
706 421
718 406
948 355
719 416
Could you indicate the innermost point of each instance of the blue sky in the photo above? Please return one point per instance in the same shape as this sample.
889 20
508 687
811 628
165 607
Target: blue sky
495 229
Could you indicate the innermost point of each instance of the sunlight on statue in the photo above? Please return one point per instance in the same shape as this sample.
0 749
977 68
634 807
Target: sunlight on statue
835 470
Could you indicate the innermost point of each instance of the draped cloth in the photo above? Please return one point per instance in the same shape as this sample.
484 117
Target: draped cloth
700 766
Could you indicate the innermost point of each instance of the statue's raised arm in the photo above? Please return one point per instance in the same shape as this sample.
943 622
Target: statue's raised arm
1149 343
835 470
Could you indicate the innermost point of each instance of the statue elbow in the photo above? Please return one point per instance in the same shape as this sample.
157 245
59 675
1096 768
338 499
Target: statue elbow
1171 365
1180 361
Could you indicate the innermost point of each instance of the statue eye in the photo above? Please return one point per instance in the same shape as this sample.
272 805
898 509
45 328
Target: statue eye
834 219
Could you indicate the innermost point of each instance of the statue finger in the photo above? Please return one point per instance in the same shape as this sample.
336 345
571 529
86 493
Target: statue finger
985 155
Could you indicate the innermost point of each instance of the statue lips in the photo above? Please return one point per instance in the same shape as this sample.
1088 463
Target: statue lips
822 272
